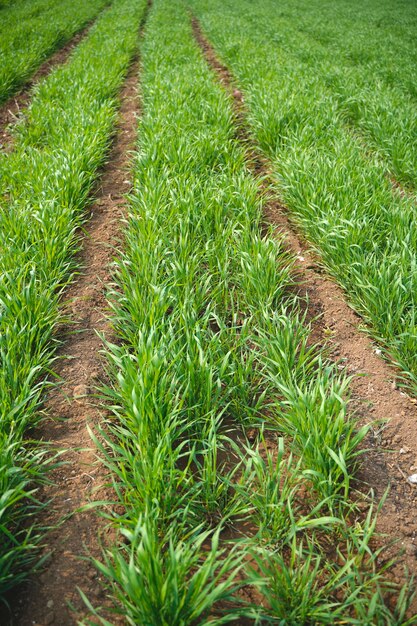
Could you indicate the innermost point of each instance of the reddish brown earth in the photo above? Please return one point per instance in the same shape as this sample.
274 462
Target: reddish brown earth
376 398
12 110
71 408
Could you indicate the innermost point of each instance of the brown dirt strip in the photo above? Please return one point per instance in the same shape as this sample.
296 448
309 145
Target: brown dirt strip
71 407
11 110
392 454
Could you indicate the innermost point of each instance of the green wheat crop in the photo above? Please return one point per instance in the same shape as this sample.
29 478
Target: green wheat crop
44 190
211 346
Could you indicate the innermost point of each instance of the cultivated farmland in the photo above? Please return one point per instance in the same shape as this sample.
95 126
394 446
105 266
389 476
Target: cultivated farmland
207 312
30 31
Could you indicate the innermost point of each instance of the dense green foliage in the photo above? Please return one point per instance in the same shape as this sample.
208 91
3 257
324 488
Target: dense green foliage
361 55
44 187
31 31
210 342
230 446
292 65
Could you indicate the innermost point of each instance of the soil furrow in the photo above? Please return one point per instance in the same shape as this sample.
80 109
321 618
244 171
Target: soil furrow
11 111
376 397
71 407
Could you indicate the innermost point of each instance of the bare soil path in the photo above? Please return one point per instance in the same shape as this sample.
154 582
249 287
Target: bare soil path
375 395
71 406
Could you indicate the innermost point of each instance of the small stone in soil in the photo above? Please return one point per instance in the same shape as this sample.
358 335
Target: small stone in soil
80 391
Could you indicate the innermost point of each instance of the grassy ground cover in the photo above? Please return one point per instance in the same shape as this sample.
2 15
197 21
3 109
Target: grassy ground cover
338 191
364 55
378 37
211 343
44 188
31 31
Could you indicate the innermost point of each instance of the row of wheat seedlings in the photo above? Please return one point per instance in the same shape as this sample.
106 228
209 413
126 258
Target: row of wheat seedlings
212 347
379 36
44 190
366 73
338 192
30 32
